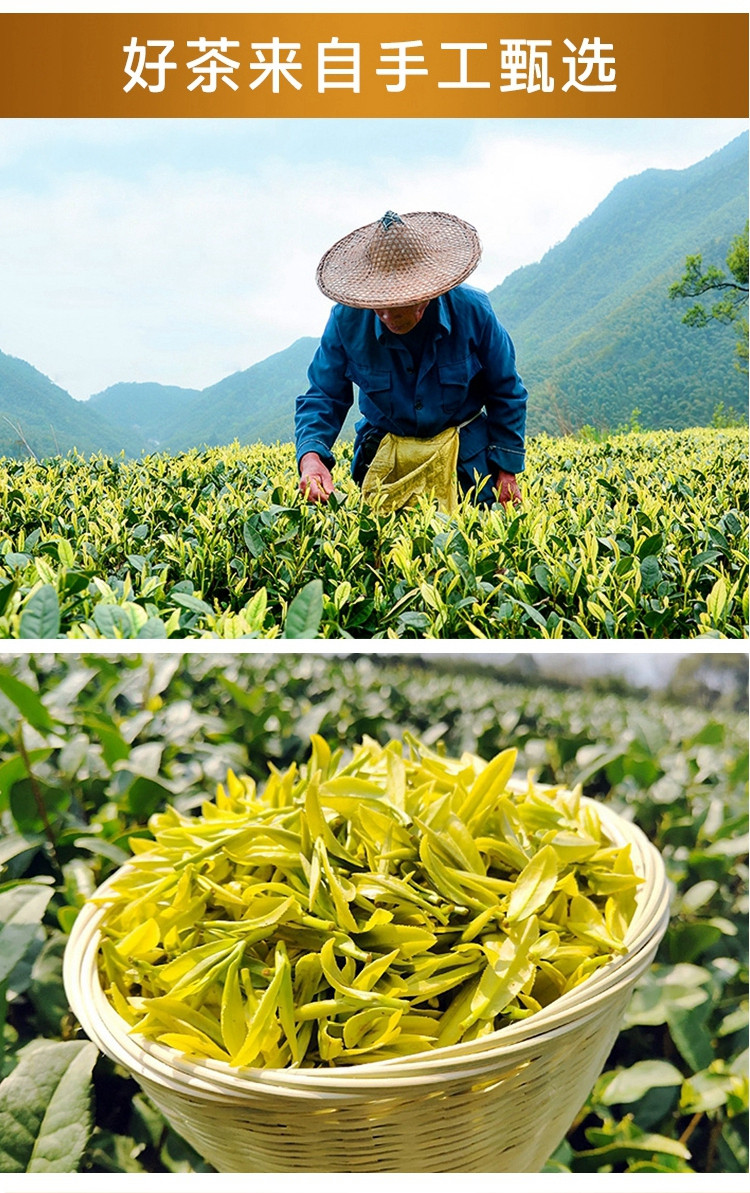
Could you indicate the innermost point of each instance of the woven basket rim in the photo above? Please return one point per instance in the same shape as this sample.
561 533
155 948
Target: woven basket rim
158 1062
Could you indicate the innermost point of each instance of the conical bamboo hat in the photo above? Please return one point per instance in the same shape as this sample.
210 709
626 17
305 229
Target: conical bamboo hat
399 260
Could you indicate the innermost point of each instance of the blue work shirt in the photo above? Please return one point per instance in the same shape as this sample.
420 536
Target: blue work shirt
467 366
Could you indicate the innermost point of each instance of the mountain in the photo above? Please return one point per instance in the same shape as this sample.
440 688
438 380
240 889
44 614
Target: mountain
147 410
38 417
255 405
596 334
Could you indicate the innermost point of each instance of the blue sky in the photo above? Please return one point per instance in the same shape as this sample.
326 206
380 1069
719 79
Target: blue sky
182 251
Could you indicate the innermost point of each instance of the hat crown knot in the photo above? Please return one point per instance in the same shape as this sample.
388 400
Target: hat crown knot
395 245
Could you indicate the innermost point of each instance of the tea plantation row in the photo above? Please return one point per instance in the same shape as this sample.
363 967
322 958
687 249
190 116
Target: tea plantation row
643 535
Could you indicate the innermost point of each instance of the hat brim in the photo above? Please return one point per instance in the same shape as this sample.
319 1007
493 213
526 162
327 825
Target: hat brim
452 251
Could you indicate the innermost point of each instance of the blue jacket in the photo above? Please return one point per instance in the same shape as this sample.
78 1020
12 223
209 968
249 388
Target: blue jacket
468 364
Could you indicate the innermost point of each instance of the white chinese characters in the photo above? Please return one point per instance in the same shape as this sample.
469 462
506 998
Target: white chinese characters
270 64
513 65
212 64
588 59
137 64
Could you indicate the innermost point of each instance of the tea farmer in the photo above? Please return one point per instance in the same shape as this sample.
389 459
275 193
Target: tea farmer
440 398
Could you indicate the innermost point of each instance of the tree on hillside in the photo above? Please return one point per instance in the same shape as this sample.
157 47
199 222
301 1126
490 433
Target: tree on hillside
731 307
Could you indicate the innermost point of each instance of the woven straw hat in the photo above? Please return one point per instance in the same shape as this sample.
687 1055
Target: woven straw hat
399 260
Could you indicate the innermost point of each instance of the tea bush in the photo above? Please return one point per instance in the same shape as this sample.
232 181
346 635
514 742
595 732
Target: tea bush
640 536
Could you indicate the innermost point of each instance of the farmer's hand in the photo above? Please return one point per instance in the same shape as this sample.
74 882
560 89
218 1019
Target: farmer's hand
316 482
507 488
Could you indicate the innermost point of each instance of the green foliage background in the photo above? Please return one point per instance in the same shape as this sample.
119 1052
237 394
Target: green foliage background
92 744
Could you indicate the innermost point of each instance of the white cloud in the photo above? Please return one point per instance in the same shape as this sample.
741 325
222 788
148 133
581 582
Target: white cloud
119 266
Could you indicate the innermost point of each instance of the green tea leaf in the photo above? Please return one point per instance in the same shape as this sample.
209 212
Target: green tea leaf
26 701
153 627
45 1108
534 886
706 1091
14 769
687 1027
305 612
716 601
112 621
254 540
41 614
46 992
21 911
187 601
630 1085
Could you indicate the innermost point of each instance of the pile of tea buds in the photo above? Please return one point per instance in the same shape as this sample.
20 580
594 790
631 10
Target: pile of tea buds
361 908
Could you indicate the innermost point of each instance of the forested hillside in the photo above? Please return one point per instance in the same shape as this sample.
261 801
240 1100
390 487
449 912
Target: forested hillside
596 333
259 399
38 418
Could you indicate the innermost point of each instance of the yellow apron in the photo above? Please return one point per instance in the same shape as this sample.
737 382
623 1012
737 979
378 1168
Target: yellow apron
404 468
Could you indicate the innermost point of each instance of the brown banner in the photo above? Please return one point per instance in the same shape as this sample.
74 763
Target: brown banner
374 65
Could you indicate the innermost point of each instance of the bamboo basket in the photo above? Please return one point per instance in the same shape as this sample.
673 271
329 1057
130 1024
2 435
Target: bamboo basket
501 1103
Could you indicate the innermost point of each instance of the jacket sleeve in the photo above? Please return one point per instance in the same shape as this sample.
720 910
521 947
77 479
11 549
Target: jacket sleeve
320 413
505 398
